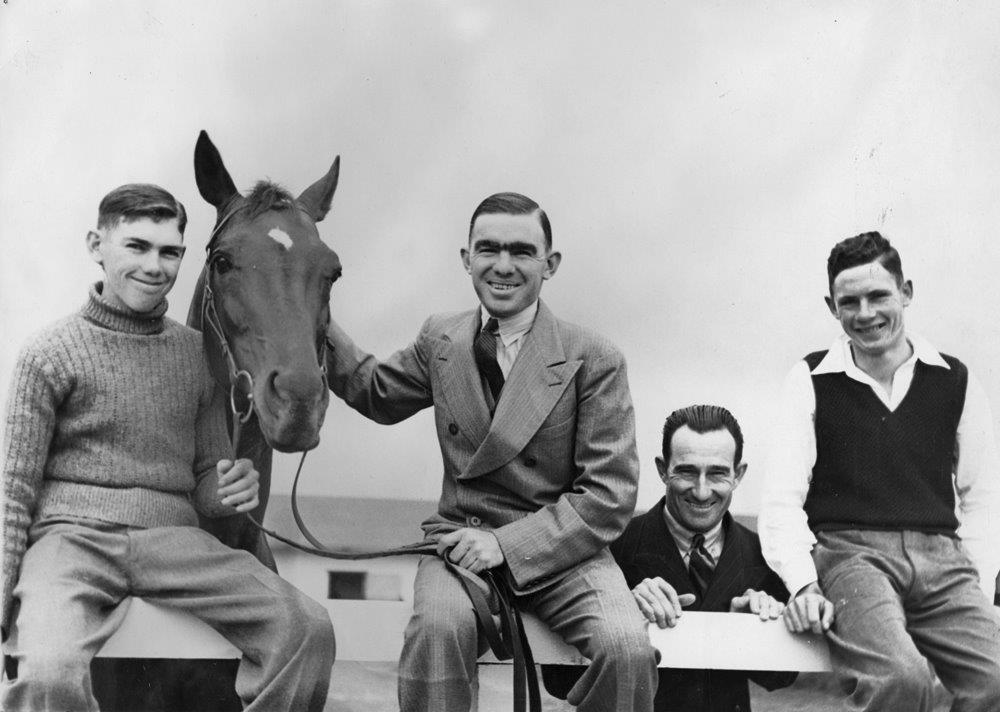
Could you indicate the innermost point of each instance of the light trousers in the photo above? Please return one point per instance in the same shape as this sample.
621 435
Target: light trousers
74 574
903 599
591 608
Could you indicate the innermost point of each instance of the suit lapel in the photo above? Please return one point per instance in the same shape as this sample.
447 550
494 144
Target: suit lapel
536 381
461 387
659 550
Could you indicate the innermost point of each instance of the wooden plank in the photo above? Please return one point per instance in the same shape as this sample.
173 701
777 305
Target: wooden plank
151 631
372 631
738 641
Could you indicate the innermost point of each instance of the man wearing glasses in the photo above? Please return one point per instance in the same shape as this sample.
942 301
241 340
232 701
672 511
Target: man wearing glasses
688 552
535 423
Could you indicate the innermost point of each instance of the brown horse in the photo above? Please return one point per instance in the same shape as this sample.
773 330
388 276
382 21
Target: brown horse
262 303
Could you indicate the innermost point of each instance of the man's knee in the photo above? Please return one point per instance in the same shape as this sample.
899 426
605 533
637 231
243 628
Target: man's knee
60 672
624 646
437 625
309 623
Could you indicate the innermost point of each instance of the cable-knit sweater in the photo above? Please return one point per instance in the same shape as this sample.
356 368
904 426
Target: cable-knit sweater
112 415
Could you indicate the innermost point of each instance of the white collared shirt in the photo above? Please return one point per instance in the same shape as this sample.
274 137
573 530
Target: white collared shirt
512 331
784 529
714 537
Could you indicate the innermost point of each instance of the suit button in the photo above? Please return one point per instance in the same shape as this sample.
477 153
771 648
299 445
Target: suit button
475 521
529 461
453 429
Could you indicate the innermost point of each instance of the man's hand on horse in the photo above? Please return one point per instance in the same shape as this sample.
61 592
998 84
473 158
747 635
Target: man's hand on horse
472 549
238 484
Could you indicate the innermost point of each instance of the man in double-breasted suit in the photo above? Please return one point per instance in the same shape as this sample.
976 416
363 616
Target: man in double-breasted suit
536 429
687 551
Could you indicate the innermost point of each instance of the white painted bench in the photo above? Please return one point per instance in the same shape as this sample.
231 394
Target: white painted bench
372 631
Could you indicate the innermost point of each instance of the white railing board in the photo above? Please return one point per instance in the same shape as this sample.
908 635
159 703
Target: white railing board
372 631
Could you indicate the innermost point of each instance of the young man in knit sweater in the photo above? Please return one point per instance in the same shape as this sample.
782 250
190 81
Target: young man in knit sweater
875 436
114 441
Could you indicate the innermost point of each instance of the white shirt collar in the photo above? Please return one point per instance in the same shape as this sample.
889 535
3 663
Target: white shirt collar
682 536
840 360
514 327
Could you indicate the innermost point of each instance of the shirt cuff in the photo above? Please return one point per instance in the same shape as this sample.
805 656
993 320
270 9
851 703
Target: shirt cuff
799 573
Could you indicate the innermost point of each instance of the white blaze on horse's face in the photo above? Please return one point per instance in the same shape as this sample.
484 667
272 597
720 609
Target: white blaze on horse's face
281 237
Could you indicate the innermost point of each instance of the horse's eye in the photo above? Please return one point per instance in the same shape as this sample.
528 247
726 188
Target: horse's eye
221 264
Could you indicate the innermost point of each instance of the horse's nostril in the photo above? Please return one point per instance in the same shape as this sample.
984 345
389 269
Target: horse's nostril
297 386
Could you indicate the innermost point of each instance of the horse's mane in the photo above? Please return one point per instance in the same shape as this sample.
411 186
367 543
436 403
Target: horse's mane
267 195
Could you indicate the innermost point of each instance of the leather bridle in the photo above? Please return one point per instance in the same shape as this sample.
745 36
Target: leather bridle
489 591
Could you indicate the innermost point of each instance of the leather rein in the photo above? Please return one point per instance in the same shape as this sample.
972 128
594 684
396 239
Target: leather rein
489 592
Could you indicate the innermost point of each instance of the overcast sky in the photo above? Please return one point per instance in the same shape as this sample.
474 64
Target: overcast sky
697 160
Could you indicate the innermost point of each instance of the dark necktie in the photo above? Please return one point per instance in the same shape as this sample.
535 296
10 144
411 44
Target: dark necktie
485 351
701 565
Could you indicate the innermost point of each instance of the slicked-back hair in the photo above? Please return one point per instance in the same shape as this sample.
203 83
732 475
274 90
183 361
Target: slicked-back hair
513 204
134 201
860 250
703 419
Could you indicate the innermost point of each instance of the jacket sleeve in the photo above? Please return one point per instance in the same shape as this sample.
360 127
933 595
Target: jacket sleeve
596 509
384 391
37 389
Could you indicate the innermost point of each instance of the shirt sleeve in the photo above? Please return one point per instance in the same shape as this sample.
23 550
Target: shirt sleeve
786 539
977 484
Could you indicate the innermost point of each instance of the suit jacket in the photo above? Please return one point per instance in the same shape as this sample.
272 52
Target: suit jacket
553 474
647 550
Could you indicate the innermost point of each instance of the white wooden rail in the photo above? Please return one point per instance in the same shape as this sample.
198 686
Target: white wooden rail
373 631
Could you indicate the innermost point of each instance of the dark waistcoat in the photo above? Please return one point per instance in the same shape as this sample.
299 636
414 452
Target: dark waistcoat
882 469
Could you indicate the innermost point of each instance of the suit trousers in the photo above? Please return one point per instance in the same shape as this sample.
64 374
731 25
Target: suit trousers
591 608
74 574
904 599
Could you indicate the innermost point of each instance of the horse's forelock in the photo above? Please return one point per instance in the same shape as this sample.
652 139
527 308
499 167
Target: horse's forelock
266 196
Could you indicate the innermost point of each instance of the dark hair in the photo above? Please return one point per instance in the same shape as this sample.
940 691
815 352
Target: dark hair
860 250
513 204
140 200
703 419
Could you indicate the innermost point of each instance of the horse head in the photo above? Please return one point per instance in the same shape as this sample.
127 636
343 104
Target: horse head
264 299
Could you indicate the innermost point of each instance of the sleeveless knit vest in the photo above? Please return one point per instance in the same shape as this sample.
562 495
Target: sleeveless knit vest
882 469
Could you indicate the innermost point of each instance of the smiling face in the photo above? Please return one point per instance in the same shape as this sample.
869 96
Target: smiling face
700 477
508 262
140 260
868 301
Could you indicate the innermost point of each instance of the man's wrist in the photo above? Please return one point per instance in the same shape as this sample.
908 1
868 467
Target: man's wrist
811 587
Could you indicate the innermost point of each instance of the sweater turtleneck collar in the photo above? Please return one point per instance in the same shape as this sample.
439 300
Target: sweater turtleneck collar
98 311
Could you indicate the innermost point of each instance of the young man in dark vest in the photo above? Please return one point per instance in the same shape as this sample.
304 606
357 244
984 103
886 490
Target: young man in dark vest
874 438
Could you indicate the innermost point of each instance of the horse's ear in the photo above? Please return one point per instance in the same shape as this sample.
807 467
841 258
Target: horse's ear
316 198
213 179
